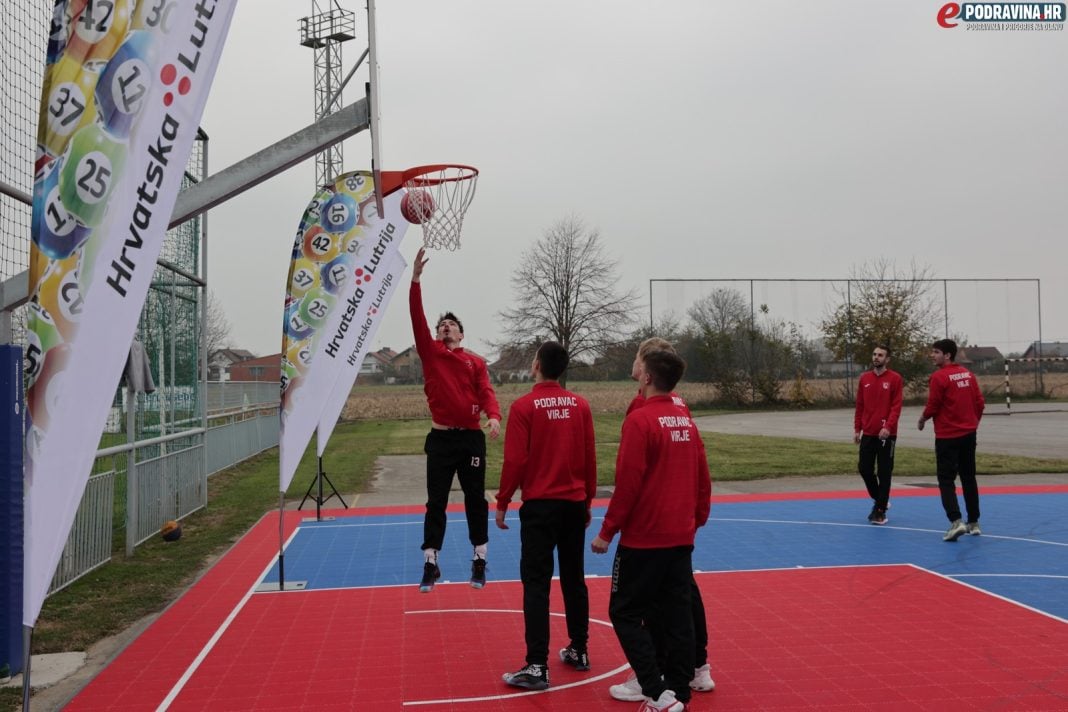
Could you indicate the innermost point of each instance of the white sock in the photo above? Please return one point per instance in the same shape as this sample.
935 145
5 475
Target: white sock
480 551
430 556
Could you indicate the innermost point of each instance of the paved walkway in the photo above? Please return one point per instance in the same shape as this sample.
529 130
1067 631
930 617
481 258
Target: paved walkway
1033 429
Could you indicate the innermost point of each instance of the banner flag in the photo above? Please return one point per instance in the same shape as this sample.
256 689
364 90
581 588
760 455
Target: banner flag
124 88
340 254
357 345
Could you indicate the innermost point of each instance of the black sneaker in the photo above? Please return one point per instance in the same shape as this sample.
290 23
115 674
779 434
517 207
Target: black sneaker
872 514
878 517
531 677
431 573
574 658
478 575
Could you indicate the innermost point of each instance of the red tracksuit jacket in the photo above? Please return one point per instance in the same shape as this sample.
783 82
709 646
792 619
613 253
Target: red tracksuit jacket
878 402
639 401
955 401
662 480
457 384
549 448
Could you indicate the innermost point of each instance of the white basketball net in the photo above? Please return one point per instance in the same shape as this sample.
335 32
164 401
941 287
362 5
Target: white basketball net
452 188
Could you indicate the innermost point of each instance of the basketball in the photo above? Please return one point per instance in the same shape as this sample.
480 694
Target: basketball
171 531
417 206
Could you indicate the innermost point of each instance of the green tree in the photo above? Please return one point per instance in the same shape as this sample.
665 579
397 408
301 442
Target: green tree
884 305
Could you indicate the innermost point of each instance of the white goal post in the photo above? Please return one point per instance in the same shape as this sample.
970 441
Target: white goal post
1008 366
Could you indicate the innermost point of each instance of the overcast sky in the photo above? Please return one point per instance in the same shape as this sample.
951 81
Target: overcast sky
702 139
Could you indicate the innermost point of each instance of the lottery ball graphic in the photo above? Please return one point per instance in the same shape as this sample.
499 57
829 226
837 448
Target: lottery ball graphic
43 396
319 245
97 30
71 103
90 168
306 275
340 213
295 326
124 84
337 273
316 306
59 294
58 232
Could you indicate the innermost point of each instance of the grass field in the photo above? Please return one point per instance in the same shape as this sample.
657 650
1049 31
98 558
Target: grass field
114 597
373 402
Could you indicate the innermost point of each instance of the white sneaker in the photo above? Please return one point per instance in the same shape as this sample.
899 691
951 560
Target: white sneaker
955 530
702 679
627 691
665 703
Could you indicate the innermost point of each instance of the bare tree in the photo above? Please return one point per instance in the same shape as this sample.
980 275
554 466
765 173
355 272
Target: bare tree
217 329
723 310
565 290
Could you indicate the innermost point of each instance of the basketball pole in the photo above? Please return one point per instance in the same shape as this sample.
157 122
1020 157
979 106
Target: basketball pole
27 639
281 541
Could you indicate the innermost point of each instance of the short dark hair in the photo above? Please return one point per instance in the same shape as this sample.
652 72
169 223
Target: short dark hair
946 346
665 368
553 359
451 317
884 347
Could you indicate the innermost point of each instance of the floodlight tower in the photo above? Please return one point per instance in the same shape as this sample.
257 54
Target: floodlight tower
324 31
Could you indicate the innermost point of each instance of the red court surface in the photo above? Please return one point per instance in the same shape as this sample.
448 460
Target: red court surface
843 638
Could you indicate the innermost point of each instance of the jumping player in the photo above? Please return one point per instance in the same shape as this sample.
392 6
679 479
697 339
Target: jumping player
457 390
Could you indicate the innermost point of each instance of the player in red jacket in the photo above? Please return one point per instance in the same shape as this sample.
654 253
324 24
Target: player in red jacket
457 390
956 403
549 455
875 429
630 690
661 497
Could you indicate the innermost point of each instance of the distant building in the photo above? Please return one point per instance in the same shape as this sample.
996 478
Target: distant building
513 364
1049 348
264 368
407 368
828 366
377 366
981 358
219 362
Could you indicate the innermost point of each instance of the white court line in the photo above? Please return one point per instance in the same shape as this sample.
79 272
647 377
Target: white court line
169 699
337 525
991 594
487 698
1047 576
740 519
884 526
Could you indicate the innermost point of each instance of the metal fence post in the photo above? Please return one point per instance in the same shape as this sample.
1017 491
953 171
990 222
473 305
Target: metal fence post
132 505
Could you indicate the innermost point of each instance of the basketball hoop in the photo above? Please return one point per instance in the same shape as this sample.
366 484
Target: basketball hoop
437 199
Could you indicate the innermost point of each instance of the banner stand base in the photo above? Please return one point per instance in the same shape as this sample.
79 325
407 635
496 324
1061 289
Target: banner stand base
269 586
319 499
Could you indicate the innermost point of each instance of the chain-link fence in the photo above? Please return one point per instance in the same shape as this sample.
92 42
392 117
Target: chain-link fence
767 340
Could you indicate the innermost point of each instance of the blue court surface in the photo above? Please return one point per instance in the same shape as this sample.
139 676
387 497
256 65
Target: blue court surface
1021 556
